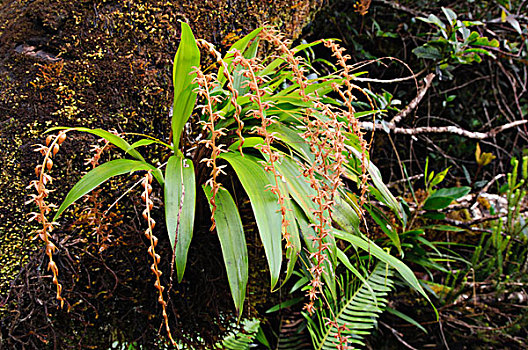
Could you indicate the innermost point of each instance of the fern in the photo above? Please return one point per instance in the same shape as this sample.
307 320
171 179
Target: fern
355 313
242 339
293 335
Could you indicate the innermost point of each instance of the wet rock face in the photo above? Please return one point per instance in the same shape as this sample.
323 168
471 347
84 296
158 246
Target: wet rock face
102 63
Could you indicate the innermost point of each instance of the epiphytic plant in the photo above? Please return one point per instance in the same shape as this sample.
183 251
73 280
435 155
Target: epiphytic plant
261 119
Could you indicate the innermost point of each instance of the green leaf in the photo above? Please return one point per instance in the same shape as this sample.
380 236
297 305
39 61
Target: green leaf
441 198
241 46
234 249
406 318
299 189
309 235
261 338
345 261
383 223
248 142
484 41
180 203
432 19
187 57
372 248
241 340
439 177
453 192
284 305
291 138
344 214
117 141
99 175
255 181
477 51
383 193
437 203
444 228
434 216
292 253
240 81
360 306
450 15
141 143
427 52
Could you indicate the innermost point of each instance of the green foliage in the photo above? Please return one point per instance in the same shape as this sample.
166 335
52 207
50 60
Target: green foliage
264 203
187 57
231 234
265 105
288 142
504 248
241 340
352 316
98 176
180 204
454 42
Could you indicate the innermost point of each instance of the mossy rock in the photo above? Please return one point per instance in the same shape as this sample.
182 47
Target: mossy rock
99 64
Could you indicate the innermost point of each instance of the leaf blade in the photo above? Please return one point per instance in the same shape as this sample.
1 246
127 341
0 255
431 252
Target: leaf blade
234 249
180 204
254 179
187 57
98 176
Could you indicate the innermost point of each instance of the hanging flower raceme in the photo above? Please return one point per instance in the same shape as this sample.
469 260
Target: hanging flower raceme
44 208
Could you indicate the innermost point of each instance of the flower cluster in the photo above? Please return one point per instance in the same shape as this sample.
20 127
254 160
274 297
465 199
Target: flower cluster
230 87
317 135
94 215
250 68
325 134
344 340
347 97
43 179
206 83
149 204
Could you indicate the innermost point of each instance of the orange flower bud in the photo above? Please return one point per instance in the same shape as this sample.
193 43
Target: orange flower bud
62 137
53 267
49 164
49 139
55 149
147 233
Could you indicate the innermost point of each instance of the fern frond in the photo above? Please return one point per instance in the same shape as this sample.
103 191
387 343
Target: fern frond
242 339
293 335
353 317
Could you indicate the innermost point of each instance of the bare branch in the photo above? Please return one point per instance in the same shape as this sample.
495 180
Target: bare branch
399 7
391 127
385 81
466 224
419 96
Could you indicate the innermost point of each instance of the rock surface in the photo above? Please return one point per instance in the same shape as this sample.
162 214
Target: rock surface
97 64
